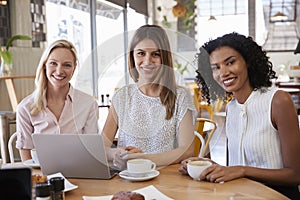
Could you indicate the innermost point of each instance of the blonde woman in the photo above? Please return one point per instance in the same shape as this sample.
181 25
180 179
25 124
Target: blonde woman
55 107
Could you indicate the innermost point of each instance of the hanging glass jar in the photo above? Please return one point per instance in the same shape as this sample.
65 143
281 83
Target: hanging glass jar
6 66
5 69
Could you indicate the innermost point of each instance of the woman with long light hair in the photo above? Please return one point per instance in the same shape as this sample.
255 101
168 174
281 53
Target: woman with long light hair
55 107
154 117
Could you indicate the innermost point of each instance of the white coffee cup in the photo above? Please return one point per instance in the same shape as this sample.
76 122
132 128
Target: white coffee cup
196 167
34 156
140 166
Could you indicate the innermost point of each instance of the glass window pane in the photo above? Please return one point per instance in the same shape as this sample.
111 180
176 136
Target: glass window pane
230 16
74 25
111 52
210 29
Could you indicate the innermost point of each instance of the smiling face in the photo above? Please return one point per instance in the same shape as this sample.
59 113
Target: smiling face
230 70
60 67
147 60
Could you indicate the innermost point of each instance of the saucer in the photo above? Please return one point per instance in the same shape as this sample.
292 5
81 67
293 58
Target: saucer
139 174
31 163
142 177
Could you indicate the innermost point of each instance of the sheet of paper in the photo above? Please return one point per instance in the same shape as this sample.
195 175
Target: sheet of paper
68 186
150 193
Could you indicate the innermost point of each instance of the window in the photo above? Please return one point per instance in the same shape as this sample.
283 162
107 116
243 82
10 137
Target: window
4 22
230 15
71 20
282 34
111 49
38 22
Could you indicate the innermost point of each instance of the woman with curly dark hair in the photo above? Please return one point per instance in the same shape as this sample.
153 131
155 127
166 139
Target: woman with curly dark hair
261 121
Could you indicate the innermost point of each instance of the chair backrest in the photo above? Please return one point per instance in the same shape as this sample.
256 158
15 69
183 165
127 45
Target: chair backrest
10 147
204 130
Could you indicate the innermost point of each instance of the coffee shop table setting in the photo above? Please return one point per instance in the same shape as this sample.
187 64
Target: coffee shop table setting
172 185
139 170
168 184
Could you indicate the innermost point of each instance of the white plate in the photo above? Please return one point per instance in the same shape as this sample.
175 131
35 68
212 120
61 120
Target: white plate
68 186
31 163
126 175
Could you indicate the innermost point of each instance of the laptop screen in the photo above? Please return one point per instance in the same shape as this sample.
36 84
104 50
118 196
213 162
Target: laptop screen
74 155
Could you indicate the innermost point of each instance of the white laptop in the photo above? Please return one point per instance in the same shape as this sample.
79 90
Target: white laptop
74 155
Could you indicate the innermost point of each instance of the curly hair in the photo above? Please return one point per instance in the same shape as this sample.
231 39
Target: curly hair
204 88
260 69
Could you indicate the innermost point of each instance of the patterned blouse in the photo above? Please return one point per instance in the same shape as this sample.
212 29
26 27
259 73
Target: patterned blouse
141 119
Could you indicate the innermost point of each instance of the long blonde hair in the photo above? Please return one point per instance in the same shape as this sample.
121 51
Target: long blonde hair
166 79
41 77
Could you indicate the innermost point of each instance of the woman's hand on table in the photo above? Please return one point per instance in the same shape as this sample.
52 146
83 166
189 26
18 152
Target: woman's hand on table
219 174
131 149
215 173
123 154
183 167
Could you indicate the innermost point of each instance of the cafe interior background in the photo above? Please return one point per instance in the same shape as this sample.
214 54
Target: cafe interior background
102 29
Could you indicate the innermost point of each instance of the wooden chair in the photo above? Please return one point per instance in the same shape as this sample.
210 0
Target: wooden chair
200 105
204 130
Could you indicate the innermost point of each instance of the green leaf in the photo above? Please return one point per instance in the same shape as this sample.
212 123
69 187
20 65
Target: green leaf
16 37
6 56
165 22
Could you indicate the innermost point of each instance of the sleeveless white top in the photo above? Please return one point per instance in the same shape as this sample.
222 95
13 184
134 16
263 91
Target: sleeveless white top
252 139
141 119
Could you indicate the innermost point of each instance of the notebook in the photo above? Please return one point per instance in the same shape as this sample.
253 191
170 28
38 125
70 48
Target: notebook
74 155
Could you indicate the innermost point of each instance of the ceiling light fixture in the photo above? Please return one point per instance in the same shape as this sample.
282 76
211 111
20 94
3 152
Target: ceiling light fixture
279 17
3 2
212 18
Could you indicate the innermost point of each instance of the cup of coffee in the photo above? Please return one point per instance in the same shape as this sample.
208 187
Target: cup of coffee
138 167
196 167
34 156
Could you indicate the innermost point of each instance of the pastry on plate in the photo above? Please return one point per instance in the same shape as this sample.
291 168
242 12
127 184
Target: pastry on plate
127 195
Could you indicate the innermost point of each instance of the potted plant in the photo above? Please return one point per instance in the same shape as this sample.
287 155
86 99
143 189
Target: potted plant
6 55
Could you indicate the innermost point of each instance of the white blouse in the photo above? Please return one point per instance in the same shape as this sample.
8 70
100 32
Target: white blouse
252 138
141 119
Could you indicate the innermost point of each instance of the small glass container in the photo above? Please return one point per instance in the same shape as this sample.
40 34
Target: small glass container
58 186
42 191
